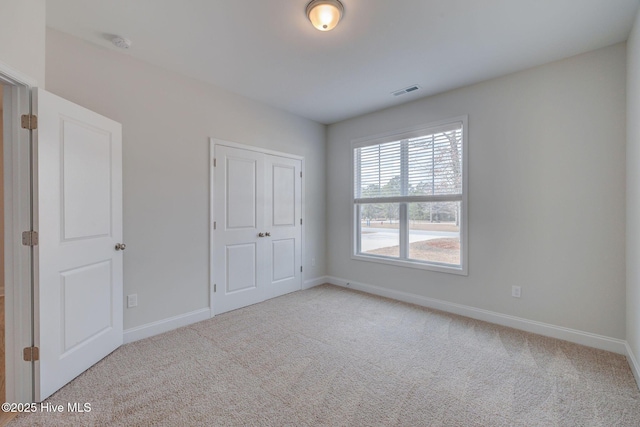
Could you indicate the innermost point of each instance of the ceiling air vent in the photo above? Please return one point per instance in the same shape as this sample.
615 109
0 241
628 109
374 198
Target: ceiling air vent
405 90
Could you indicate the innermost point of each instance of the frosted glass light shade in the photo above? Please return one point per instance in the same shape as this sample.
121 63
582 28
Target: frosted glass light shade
325 14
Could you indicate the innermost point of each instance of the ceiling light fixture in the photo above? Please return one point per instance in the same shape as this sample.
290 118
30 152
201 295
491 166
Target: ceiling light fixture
325 14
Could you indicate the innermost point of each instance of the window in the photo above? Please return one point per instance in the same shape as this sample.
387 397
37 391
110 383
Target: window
409 195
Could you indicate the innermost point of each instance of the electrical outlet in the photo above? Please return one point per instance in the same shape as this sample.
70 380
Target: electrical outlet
515 291
132 300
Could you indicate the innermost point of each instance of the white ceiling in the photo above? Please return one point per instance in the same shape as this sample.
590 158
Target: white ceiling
267 50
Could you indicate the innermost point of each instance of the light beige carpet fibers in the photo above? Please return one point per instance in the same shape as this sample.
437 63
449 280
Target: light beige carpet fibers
333 357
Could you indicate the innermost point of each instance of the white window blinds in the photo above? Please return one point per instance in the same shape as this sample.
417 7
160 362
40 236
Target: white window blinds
421 168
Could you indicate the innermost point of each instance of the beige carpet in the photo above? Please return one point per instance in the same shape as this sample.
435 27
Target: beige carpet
334 357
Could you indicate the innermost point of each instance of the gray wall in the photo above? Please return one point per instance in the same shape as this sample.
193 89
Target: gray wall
167 120
546 194
22 37
633 190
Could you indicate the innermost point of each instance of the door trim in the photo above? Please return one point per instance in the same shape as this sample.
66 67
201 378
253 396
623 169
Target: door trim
18 217
212 144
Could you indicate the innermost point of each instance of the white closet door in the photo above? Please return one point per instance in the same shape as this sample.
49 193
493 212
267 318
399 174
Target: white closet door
257 239
283 215
238 254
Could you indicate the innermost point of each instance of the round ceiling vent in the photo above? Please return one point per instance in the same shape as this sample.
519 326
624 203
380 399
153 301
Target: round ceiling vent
121 42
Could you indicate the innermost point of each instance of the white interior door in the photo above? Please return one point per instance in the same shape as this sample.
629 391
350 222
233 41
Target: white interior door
257 248
238 258
78 297
283 217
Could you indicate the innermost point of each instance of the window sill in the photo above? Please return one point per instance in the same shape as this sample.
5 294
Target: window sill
441 268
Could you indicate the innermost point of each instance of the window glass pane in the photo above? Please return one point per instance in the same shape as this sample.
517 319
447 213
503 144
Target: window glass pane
380 229
434 232
435 164
378 170
428 165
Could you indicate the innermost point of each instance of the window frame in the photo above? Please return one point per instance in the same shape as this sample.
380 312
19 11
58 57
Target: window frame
398 135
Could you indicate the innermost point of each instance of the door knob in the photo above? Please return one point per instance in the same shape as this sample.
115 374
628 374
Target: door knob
268 234
121 247
260 234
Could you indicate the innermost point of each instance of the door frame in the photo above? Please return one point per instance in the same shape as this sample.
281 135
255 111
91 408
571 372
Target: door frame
212 144
19 260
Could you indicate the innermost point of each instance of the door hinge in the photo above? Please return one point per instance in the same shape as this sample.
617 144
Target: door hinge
214 225
300 221
214 162
300 174
30 238
215 288
300 269
29 121
31 354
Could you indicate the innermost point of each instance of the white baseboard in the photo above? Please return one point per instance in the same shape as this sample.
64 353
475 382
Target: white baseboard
572 335
165 325
308 284
633 362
